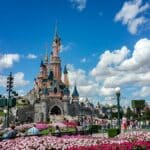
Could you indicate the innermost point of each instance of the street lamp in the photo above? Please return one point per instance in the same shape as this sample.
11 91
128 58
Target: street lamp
117 90
5 121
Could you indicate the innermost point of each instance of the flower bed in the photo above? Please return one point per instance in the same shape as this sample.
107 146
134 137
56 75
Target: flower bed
78 142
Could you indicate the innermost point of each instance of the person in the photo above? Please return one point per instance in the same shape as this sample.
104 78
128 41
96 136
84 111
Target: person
76 130
124 124
33 130
10 133
57 131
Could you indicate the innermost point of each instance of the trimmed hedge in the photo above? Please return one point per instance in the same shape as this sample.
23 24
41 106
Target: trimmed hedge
94 128
113 132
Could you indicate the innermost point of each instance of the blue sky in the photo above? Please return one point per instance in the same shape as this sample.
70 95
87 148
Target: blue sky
93 33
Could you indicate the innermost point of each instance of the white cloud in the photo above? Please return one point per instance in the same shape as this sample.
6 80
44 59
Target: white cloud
108 60
66 47
31 56
7 60
3 80
107 91
79 4
117 68
140 57
131 14
143 92
128 69
83 60
21 92
85 84
134 24
19 80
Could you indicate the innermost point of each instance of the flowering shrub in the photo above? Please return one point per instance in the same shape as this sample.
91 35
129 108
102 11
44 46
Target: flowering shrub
42 126
122 142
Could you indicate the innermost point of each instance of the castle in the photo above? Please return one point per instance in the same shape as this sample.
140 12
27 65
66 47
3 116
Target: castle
50 95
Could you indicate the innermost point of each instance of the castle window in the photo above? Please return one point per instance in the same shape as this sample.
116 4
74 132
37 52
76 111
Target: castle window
55 90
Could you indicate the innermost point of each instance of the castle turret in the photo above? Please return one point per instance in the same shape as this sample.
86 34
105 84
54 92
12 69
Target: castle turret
56 43
66 80
43 70
75 94
55 63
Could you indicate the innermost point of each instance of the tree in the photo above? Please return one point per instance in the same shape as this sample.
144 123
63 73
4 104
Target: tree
138 105
129 113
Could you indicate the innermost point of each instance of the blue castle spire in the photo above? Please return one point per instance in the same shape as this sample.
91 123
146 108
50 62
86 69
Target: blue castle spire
75 92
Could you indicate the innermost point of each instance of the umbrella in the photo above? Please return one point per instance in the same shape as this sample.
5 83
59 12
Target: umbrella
33 131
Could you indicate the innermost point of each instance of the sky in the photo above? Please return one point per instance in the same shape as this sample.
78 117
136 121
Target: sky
105 44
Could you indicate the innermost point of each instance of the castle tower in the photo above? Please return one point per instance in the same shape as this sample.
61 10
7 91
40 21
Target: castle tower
66 80
56 43
75 94
55 63
43 70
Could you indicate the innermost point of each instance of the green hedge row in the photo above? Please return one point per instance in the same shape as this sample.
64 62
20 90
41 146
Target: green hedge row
113 132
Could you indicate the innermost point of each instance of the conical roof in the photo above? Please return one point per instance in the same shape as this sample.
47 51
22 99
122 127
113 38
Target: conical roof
65 70
75 92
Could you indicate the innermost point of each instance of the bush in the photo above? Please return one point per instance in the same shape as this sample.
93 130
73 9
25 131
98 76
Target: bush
113 132
94 128
139 147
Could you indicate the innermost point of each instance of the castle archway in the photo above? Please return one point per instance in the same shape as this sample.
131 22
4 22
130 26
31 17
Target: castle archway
55 111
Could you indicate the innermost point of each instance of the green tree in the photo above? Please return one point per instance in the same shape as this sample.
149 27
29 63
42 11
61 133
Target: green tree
129 113
138 105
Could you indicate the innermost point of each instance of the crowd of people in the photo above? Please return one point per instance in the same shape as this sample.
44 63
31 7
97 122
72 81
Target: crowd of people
82 124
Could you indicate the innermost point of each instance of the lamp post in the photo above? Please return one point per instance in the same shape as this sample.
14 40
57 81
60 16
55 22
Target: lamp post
117 90
9 89
5 121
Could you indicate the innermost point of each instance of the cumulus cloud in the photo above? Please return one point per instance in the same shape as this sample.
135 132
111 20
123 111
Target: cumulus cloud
132 14
80 5
143 92
109 60
31 56
128 69
7 60
140 57
19 80
85 84
118 68
21 92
